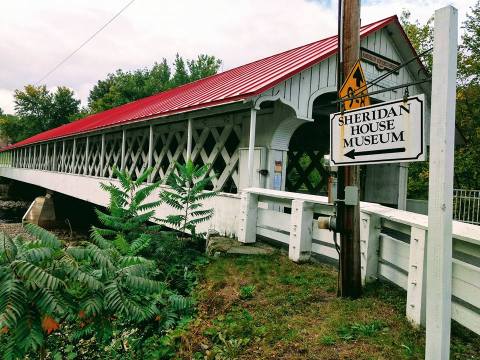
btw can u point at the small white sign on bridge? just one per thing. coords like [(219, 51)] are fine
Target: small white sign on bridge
[(383, 133)]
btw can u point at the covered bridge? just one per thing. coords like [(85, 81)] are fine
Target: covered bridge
[(264, 124)]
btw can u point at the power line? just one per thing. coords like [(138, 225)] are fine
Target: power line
[(85, 42)]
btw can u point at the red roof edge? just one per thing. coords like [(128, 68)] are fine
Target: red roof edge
[(373, 28)]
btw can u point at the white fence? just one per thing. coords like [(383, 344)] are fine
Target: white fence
[(466, 206), (393, 246)]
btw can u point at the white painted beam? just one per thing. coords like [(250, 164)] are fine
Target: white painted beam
[(124, 139), (251, 145), (150, 152), (416, 285), (85, 164), (102, 157), (300, 241), (63, 157), (247, 231), (54, 163), (189, 138), (74, 157), (442, 141)]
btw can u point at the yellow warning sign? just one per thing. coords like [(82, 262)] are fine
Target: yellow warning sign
[(355, 89)]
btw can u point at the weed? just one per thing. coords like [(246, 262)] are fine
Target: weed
[(328, 340), (358, 330), (246, 292)]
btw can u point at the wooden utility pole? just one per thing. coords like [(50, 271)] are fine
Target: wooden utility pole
[(350, 284)]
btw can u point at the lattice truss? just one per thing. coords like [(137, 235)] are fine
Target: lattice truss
[(28, 157), (49, 152), (66, 156), (216, 142), (169, 146), (78, 161), (94, 155), (113, 154), (136, 151), (306, 173), (40, 157)]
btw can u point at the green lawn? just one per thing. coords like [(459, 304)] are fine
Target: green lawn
[(267, 307)]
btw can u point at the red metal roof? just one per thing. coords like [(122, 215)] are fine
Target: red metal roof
[(230, 86)]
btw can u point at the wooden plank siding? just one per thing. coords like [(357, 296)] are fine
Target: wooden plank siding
[(300, 91)]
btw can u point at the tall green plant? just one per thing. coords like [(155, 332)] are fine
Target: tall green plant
[(186, 194), (121, 287), (123, 290), (33, 295), (128, 212)]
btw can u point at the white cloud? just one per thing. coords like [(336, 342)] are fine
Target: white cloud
[(35, 35), (6, 101)]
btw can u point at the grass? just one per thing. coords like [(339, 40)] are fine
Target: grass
[(267, 307)]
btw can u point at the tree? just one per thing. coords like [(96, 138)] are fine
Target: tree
[(37, 110), (180, 75), (469, 64), (467, 156), (204, 66), (186, 196), (122, 87), (421, 36)]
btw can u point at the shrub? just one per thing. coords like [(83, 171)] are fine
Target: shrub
[(128, 213), (33, 290), (187, 191)]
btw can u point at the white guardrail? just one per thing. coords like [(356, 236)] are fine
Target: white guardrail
[(393, 246)]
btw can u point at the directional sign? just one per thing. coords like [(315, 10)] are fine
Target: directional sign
[(387, 132), (355, 85)]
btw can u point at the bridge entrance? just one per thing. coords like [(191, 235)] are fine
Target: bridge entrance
[(306, 168)]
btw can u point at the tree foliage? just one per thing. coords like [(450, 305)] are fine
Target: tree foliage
[(38, 109), (420, 35), (122, 87), (467, 156)]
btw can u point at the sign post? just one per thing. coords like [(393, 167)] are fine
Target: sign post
[(440, 189), (350, 283)]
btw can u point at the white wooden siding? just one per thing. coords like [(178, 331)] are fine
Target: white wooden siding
[(302, 89)]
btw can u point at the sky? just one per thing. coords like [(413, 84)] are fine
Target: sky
[(37, 35)]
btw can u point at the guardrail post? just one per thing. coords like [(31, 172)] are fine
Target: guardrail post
[(300, 245), (248, 218), (416, 277), (370, 227)]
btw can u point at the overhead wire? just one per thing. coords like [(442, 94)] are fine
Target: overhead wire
[(358, 93), (91, 37), (375, 81)]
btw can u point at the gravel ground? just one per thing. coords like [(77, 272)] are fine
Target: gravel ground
[(14, 229), (11, 204)]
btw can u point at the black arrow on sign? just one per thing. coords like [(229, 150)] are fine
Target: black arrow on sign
[(358, 76), (352, 153)]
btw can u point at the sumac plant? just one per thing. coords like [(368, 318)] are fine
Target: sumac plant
[(186, 193), (33, 294)]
